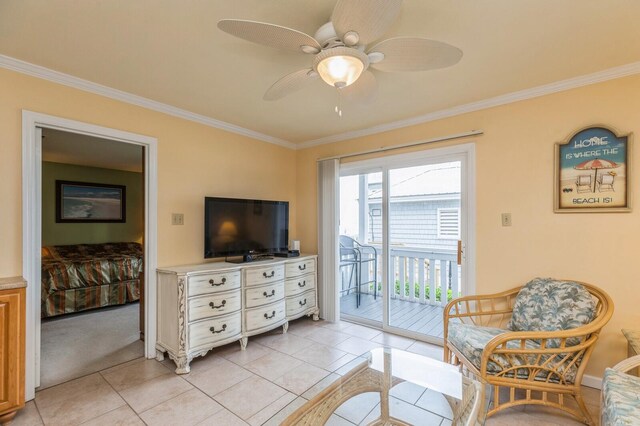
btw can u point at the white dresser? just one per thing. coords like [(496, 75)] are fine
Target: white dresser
[(212, 304)]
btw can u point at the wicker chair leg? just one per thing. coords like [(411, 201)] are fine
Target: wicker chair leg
[(583, 408)]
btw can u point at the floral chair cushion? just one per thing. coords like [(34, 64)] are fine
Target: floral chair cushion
[(620, 398), (471, 340), (545, 304)]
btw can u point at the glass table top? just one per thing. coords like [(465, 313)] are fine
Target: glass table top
[(394, 387)]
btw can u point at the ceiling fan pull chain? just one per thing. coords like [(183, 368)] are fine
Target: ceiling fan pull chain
[(338, 108)]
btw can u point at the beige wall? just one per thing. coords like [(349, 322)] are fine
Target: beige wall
[(193, 161), (514, 174), (514, 162), (91, 233)]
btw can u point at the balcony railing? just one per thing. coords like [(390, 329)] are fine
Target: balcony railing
[(420, 275)]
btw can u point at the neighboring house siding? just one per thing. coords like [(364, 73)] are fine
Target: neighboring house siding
[(413, 224)]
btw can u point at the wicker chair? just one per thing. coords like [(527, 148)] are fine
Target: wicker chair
[(533, 367), (619, 398)]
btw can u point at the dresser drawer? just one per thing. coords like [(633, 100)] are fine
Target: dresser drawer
[(264, 275), (213, 283), (265, 316), (209, 331), (213, 305), (300, 284), (300, 267), (258, 296), (300, 303)]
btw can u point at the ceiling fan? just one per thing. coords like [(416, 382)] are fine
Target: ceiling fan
[(341, 55)]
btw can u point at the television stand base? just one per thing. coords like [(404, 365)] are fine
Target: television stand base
[(249, 258), (290, 253)]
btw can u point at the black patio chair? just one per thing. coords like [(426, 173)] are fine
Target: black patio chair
[(355, 256)]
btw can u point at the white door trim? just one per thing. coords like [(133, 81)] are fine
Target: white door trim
[(31, 226)]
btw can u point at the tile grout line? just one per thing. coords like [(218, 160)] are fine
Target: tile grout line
[(117, 393), (37, 411), (224, 406), (262, 377), (160, 403)]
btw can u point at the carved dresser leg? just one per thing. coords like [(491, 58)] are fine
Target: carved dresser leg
[(243, 343), (182, 365), (285, 327), (159, 355)]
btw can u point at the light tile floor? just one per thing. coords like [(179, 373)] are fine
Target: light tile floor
[(260, 386)]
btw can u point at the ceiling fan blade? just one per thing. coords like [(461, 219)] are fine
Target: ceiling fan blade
[(414, 54), (370, 19), (290, 83), (270, 35), (364, 90)]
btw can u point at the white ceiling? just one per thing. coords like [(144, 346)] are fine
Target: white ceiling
[(82, 150), (172, 52)]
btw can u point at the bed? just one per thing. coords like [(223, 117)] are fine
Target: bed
[(79, 277)]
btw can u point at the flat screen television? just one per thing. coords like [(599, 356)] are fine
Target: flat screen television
[(238, 227)]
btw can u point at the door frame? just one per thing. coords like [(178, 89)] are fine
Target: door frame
[(32, 123), (461, 152)]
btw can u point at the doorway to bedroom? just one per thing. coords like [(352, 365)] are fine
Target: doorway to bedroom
[(92, 257)]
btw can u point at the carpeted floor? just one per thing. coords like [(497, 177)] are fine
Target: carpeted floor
[(80, 344)]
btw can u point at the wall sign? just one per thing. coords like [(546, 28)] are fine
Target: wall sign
[(592, 172)]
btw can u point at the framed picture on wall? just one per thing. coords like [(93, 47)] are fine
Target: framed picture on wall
[(592, 172), (78, 202)]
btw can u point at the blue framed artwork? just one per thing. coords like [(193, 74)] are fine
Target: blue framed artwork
[(592, 172), (82, 202)]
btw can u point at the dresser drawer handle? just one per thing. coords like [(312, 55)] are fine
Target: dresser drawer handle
[(302, 284), (273, 314), (221, 305), (302, 267), (273, 293), (213, 283), (302, 303), (273, 273), (213, 329)]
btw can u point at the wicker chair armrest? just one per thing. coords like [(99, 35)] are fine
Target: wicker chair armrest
[(513, 343), (480, 309), (449, 308), (628, 364)]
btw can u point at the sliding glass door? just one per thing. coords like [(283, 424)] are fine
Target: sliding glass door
[(424, 233), (360, 240), (403, 239)]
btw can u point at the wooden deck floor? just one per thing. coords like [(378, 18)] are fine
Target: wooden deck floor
[(424, 319)]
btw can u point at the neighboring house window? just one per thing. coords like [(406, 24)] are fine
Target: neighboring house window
[(449, 223)]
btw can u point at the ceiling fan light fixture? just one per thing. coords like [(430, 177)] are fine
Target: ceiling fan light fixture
[(341, 66)]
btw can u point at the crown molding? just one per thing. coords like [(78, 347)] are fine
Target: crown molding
[(559, 86), (38, 71)]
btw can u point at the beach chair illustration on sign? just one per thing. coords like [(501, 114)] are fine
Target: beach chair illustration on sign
[(605, 183), (583, 183)]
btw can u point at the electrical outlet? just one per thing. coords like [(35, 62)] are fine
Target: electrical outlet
[(177, 219), (506, 219)]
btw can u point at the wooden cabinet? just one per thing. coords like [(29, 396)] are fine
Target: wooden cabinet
[(204, 306), (12, 341)]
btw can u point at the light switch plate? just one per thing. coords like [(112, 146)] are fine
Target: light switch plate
[(177, 219), (506, 219)]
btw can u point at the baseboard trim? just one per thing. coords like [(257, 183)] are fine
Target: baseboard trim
[(592, 381)]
